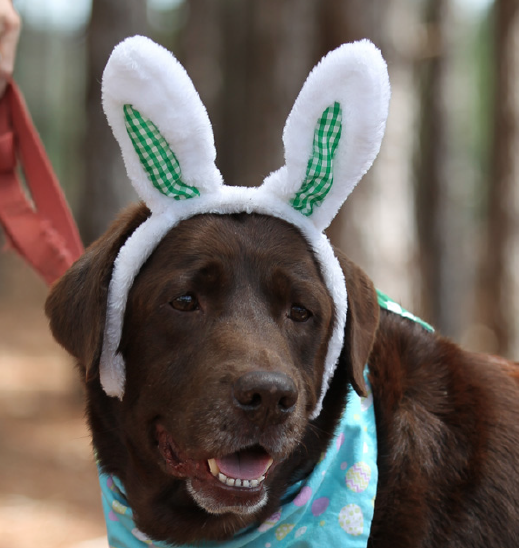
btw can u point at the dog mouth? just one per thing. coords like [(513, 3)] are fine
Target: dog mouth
[(246, 468), (234, 482)]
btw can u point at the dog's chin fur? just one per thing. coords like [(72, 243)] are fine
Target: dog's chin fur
[(210, 505)]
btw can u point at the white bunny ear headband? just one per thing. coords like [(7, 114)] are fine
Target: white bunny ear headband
[(331, 138)]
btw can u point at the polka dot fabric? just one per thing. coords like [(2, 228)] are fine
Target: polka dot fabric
[(332, 507)]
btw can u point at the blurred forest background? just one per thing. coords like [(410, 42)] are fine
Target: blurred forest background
[(435, 222)]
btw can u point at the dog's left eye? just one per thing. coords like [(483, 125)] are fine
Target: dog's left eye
[(185, 303), (299, 313)]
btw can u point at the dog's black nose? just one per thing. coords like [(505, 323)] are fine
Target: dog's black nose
[(266, 397)]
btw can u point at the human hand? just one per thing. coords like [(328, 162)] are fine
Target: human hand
[(10, 25)]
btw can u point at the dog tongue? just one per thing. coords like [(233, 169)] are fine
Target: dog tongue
[(244, 465)]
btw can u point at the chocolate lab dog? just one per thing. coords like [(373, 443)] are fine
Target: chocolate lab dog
[(223, 409)]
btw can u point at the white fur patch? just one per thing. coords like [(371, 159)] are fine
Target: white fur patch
[(212, 506)]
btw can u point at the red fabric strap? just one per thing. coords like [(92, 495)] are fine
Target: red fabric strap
[(43, 233)]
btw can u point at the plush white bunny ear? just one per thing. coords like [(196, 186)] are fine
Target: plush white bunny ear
[(333, 132), (160, 123)]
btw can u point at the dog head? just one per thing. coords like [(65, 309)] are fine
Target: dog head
[(224, 340), (208, 325)]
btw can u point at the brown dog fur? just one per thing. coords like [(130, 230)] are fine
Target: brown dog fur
[(447, 420)]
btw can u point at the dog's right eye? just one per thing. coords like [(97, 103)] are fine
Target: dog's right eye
[(185, 303), (299, 313)]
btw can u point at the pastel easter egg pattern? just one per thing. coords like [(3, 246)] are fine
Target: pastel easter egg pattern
[(300, 532), (351, 520), (319, 506), (358, 476), (119, 508), (141, 536), (270, 522), (283, 530), (340, 440), (112, 516), (366, 402), (304, 496)]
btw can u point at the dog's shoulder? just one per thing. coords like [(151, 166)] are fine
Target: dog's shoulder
[(447, 423), (415, 366)]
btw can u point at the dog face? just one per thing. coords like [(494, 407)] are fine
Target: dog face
[(224, 340)]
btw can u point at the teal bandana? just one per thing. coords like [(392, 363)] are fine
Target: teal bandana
[(333, 507)]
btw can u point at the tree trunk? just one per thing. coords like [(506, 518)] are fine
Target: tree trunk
[(499, 292), (248, 60), (431, 191), (106, 188)]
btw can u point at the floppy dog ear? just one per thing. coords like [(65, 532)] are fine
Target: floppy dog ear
[(76, 305), (361, 324)]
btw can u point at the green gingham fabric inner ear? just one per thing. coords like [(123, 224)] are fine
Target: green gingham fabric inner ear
[(156, 156), (319, 172)]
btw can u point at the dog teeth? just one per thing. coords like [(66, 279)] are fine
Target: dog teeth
[(213, 467), (233, 482)]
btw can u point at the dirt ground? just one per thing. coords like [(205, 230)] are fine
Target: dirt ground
[(49, 496)]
